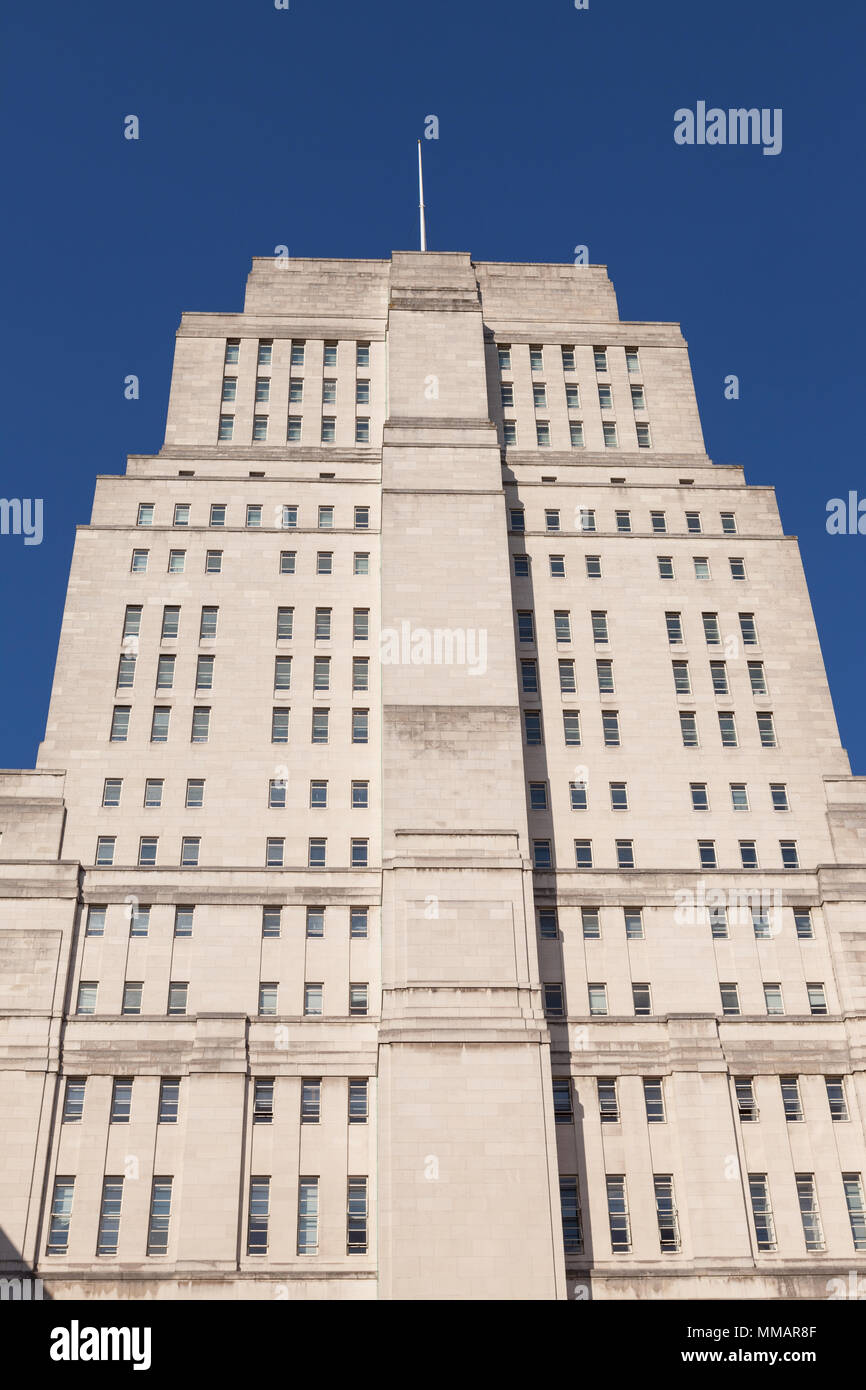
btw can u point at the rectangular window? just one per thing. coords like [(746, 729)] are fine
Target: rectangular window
[(693, 523), (707, 854), (274, 852), (658, 522), (654, 1102), (748, 854), (324, 561), (756, 677), (587, 519), (599, 627), (689, 728), (590, 922), (356, 1217), (666, 1212), (641, 999), (719, 676), (147, 847), (563, 1107), (604, 676), (712, 631), (357, 922), (271, 921), (312, 1000), (836, 1097), (597, 994), (131, 998), (539, 395), (609, 432), (160, 1216), (810, 1215), (315, 921), (791, 1103), (548, 927), (762, 1211), (600, 357), (790, 857), (817, 999), (746, 1107), (728, 730), (73, 1099), (554, 1003), (605, 398), (577, 792), (257, 1229), (674, 624), (169, 1100), (268, 994), (730, 996), (633, 918), (208, 624), (95, 921), (562, 626), (541, 854), (666, 567), (803, 923), (139, 920), (121, 1101), (767, 730), (178, 995), (617, 1210), (608, 1105), (542, 433), (773, 1001), (569, 1202), (583, 854), (644, 439), (623, 522), (682, 682), (571, 727), (260, 428), (263, 390), (263, 1101), (700, 800), (138, 564), (525, 627), (311, 1102), (226, 427), (852, 1185), (625, 854), (308, 1216), (126, 672), (610, 727), (176, 561), (61, 1215), (593, 566), (748, 629), (316, 852), (330, 354), (145, 514), (738, 567)]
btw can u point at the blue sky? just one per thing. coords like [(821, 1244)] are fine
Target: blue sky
[(261, 127)]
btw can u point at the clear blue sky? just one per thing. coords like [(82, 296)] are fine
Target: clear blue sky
[(262, 127)]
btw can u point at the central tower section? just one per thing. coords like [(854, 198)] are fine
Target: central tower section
[(467, 1171)]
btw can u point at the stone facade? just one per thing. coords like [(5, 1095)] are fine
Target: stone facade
[(442, 877)]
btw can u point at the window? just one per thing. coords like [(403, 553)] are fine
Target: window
[(176, 561), (563, 1108), (569, 1201), (359, 853), (538, 796), (169, 1100), (572, 396), (308, 1216), (213, 562), (618, 1218), (600, 357), (208, 624), (329, 429), (700, 800), (521, 566), (730, 996), (587, 519), (263, 390), (738, 567), (111, 789), (73, 1099), (226, 427), (729, 523), (599, 627), (762, 1212), (145, 514), (297, 353), (712, 631), (131, 998), (788, 850), (362, 354), (165, 672), (541, 855), (260, 427), (689, 728), (274, 852), (190, 847), (803, 923), (748, 854), (604, 676), (666, 567), (263, 1101), (317, 848), (659, 524), (682, 682), (608, 1106), (178, 992), (746, 1106), (618, 796), (674, 624), (836, 1097), (361, 563), (641, 999), (357, 922), (809, 1214), (767, 730), (139, 920), (623, 522), (719, 675), (633, 918), (539, 395), (791, 1103), (590, 923), (562, 626), (605, 398), (509, 432), (577, 792), (358, 1102), (529, 677), (121, 1101), (357, 999), (311, 1102), (666, 1212), (693, 523), (707, 854), (280, 725), (504, 354), (761, 923), (525, 627), (330, 354), (356, 1217), (268, 992), (548, 927), (360, 725), (517, 519), (554, 1005), (748, 629), (593, 567), (637, 398), (817, 999), (728, 730), (147, 847), (575, 433), (597, 999), (126, 672), (551, 519), (542, 433), (718, 915), (625, 854), (852, 1186), (571, 727), (536, 358), (583, 854), (160, 1216), (203, 673), (257, 1230), (609, 431), (532, 726), (773, 999), (200, 730), (642, 429), (360, 673), (61, 1215), (654, 1103), (138, 564)]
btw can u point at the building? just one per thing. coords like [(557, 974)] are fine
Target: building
[(442, 877)]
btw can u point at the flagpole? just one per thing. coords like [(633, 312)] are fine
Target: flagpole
[(421, 201)]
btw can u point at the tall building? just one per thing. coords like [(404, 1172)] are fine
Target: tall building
[(442, 877)]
